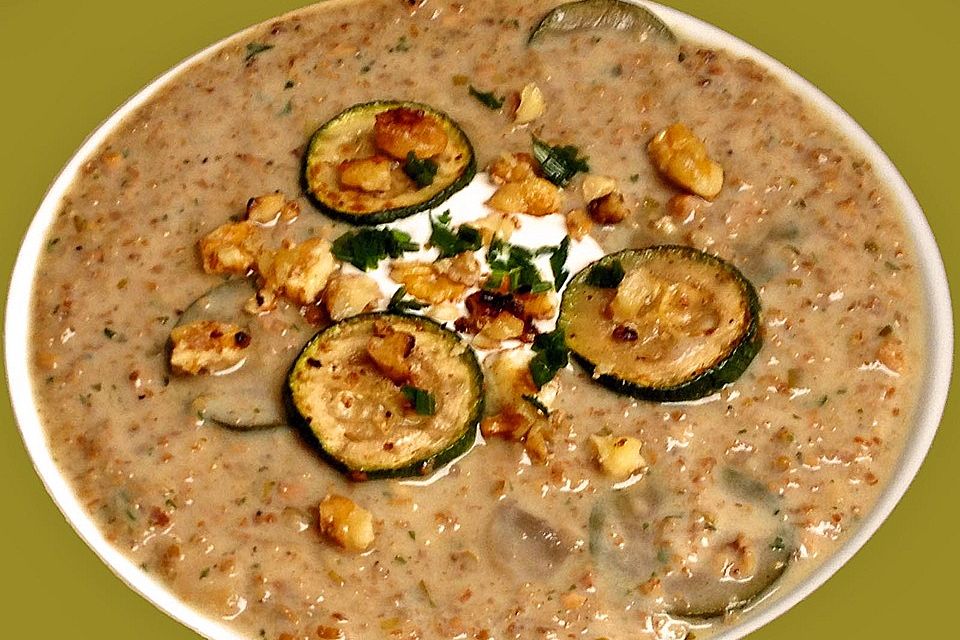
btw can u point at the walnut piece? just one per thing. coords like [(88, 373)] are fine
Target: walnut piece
[(345, 523), (399, 131), (534, 196), (299, 272), (618, 456), (367, 174), (682, 158), (231, 248), (207, 346), (349, 294)]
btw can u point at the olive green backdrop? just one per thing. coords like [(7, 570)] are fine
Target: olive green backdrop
[(64, 66)]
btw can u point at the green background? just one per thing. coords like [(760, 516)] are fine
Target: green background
[(65, 66)]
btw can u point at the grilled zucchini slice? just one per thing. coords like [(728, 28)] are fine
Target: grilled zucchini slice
[(250, 398), (666, 323), (748, 544), (609, 15), (371, 422), (409, 188)]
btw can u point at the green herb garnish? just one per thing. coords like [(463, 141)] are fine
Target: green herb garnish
[(487, 98), (256, 48), (421, 170), (426, 594), (401, 46), (551, 356), (512, 268), (559, 164), (365, 248), (422, 400), (778, 544), (606, 276), (399, 303), (452, 242), (558, 259), (541, 408)]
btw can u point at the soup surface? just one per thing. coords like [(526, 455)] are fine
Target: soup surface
[(602, 515)]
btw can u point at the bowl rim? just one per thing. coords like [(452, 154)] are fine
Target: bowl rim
[(935, 382)]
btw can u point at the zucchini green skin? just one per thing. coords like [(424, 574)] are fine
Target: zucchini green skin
[(740, 598), (723, 372), (387, 215), (232, 402), (421, 467)]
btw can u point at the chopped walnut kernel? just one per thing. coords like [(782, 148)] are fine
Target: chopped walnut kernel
[(348, 294), (391, 353), (682, 158), (579, 224), (231, 248), (440, 281), (367, 174), (496, 225), (533, 196), (596, 187), (532, 105), (345, 523), (265, 209), (609, 209), (890, 354), (618, 456), (399, 131), (512, 167), (207, 346), (299, 272)]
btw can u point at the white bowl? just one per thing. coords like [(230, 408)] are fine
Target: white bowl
[(936, 374)]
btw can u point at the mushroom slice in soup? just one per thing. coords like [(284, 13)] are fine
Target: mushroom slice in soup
[(524, 543)]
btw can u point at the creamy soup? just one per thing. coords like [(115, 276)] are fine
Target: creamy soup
[(598, 502)]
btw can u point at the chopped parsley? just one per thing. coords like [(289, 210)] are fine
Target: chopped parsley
[(778, 544), (421, 170), (399, 303), (512, 269), (487, 98), (365, 248), (551, 356), (256, 48), (452, 242), (606, 276), (558, 259), (402, 46), (422, 400), (559, 164)]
